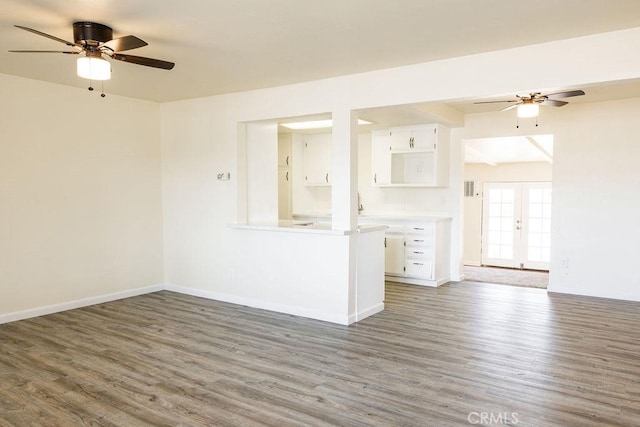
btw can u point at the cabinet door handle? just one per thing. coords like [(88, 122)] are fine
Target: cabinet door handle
[(418, 228), (326, 177), (418, 263), (418, 252), (418, 240), (287, 176), (375, 178), (287, 160), (385, 242)]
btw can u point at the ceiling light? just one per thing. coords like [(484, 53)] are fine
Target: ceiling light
[(528, 109), (94, 68), (317, 124)]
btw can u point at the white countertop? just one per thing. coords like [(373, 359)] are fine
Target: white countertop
[(317, 227), (404, 216)]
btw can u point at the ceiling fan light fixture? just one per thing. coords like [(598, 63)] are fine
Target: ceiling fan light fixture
[(94, 68), (528, 109)]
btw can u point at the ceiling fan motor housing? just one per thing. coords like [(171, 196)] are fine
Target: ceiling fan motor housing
[(91, 33)]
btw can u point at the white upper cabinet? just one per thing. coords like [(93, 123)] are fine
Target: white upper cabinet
[(284, 150), (284, 176), (411, 156), (421, 137), (317, 159), (381, 157)]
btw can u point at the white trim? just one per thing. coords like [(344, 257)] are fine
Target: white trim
[(363, 314), (416, 281), (472, 263), (70, 305), (600, 293), (264, 305)]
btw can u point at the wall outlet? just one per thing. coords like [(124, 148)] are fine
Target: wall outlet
[(564, 263), (224, 176)]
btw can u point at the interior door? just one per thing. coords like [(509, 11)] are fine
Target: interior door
[(516, 230)]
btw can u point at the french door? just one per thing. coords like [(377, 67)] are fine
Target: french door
[(516, 229)]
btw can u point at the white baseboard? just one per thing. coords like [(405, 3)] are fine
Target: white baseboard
[(264, 305), (363, 314), (84, 302), (600, 293), (472, 263), (419, 282)]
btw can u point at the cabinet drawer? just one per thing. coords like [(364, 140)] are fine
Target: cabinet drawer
[(426, 230), (419, 268), (419, 253), (419, 241)]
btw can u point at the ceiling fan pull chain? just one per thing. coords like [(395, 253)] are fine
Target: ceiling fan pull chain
[(90, 85), (102, 95)]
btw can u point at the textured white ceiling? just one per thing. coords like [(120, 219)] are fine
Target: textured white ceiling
[(223, 46)]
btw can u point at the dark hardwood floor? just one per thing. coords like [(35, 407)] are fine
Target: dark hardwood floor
[(460, 354)]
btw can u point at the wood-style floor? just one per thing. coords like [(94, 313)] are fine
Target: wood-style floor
[(434, 357)]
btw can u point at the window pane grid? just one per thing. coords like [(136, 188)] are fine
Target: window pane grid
[(539, 236), (501, 223)]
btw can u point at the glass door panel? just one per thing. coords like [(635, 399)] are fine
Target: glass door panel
[(516, 229)]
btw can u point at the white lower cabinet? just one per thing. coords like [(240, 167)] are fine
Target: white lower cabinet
[(418, 253), (394, 254)]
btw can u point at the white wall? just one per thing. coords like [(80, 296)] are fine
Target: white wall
[(200, 138), (80, 196), (261, 140), (596, 207), (595, 202), (481, 173)]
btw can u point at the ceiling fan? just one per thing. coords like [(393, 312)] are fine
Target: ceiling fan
[(528, 105), (95, 42)]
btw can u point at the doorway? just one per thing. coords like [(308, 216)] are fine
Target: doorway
[(516, 230), (507, 210)]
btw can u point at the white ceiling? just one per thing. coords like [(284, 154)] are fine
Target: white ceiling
[(495, 151), (222, 46)]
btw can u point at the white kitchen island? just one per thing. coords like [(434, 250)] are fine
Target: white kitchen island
[(320, 273)]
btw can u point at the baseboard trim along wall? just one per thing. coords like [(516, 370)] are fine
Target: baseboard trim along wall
[(363, 314), (264, 305), (601, 293), (85, 302)]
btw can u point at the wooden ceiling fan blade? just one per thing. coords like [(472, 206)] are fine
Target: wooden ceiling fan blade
[(125, 43), (510, 107), (49, 36), (565, 94), (140, 60), (494, 102), (553, 103), (75, 52)]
